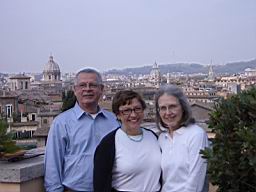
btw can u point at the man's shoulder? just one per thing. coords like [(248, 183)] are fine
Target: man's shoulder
[(65, 114), (108, 113)]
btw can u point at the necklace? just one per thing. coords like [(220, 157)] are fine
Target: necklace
[(135, 138)]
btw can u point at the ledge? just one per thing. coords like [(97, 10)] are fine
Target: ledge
[(21, 171)]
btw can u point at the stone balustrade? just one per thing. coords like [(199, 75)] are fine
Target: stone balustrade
[(22, 176)]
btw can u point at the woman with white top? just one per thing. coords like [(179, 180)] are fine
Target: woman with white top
[(128, 158), (183, 168)]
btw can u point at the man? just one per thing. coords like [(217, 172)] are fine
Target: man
[(74, 136)]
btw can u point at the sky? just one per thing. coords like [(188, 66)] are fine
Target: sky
[(117, 34)]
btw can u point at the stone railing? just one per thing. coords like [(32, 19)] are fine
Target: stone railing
[(22, 176), (27, 176)]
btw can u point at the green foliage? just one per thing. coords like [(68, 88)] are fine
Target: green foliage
[(7, 145), (69, 100), (232, 157)]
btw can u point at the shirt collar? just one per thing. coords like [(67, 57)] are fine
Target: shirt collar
[(79, 112), (180, 130)]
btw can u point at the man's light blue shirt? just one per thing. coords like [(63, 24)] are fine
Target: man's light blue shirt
[(72, 140)]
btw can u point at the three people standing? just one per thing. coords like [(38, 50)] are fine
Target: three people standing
[(128, 157)]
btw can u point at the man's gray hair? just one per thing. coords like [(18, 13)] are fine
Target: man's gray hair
[(175, 91), (89, 70)]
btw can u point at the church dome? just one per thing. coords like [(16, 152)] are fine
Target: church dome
[(51, 71), (155, 72), (51, 66), (155, 76)]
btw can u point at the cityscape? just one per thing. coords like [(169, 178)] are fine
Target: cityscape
[(206, 48), (29, 102)]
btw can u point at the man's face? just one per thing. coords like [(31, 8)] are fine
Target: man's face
[(87, 90)]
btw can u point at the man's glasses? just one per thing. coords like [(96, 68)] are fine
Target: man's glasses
[(130, 110), (88, 85)]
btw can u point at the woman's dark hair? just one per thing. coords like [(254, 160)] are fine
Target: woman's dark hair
[(175, 91), (125, 97)]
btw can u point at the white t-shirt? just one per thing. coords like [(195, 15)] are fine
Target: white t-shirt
[(137, 164), (183, 168)]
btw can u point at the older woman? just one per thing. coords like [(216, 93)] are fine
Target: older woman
[(180, 140), (128, 158)]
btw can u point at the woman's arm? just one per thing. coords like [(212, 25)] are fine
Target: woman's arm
[(197, 165), (103, 163)]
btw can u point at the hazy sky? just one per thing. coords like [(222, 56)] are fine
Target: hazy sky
[(107, 34)]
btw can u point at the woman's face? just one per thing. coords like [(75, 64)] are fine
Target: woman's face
[(131, 115), (170, 111)]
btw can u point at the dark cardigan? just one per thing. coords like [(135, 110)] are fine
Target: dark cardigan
[(103, 163), (104, 158)]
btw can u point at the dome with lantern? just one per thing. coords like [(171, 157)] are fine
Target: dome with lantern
[(155, 75), (51, 70)]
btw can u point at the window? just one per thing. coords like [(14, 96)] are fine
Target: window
[(45, 121), (33, 117), (8, 109)]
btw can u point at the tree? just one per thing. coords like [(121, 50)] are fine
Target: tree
[(69, 100), (232, 156), (7, 145)]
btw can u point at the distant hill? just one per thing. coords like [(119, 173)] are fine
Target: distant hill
[(235, 67), (189, 68)]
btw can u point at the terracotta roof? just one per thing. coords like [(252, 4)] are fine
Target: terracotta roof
[(7, 94), (20, 76), (208, 106), (41, 132), (29, 123)]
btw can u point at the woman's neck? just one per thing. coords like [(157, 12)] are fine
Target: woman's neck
[(172, 129), (132, 131)]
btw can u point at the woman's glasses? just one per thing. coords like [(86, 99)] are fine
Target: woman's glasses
[(169, 108), (130, 110)]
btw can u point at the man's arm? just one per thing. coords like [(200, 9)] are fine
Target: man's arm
[(54, 157)]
